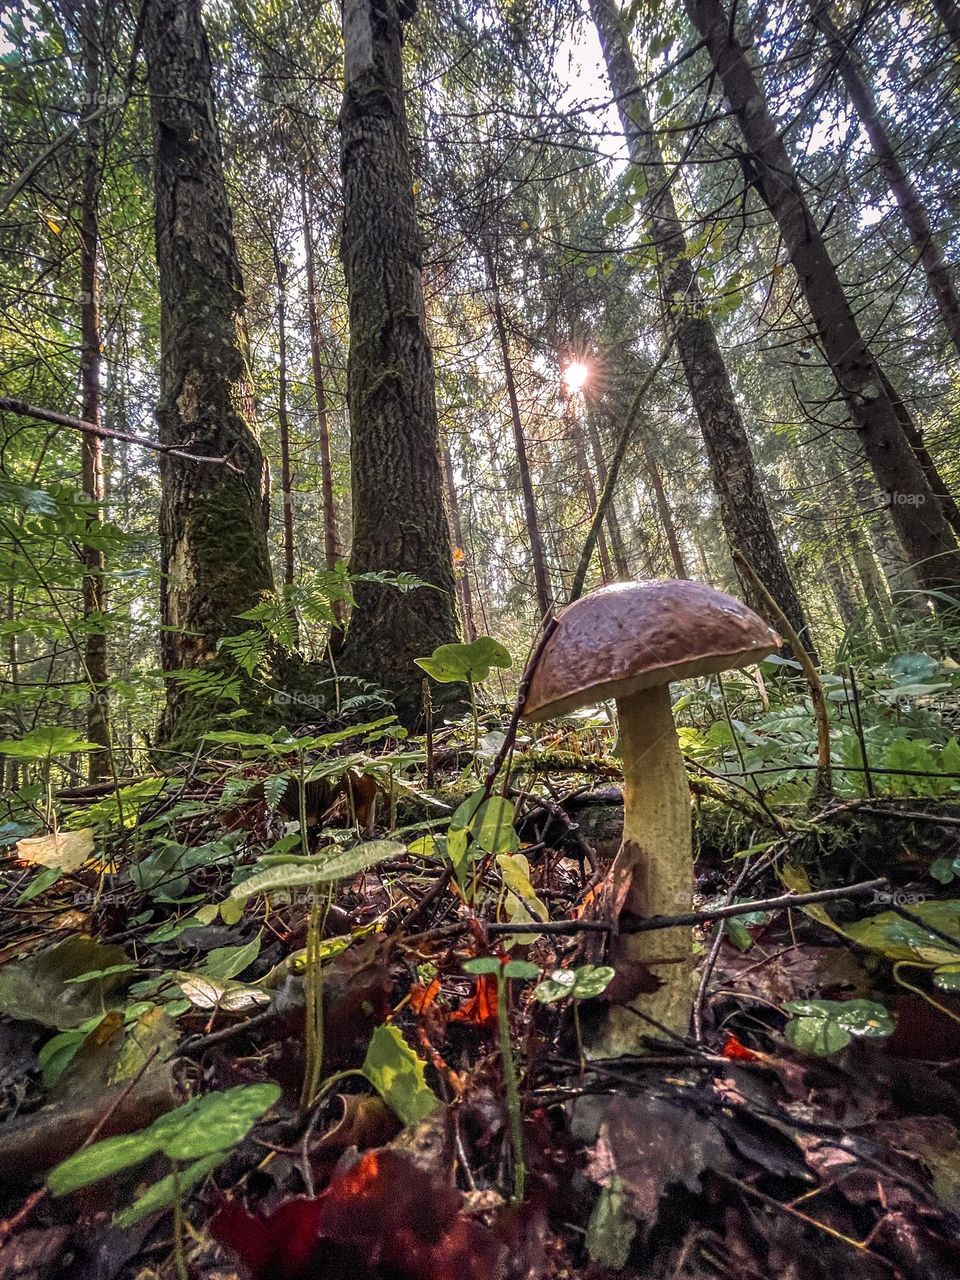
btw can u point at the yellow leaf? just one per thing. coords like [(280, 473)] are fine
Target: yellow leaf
[(416, 187), (54, 227), (67, 850)]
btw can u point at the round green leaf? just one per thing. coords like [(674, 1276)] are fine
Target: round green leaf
[(482, 964), (465, 662), (521, 969), (559, 985), (591, 980)]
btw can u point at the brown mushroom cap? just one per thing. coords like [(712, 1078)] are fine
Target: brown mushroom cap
[(634, 635)]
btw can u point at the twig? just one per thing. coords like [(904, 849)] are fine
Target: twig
[(784, 902), (105, 433), (712, 957), (613, 473)]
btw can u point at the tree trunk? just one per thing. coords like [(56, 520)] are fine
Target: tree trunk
[(283, 419), (743, 507), (948, 12), (399, 522), (872, 583), (912, 209), (590, 492), (663, 507), (94, 589), (621, 563), (331, 540), (917, 513), (214, 559), (464, 590), (538, 555)]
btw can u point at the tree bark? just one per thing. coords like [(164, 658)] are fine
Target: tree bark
[(912, 210), (948, 12), (94, 589), (283, 420), (590, 492), (743, 507), (916, 511), (464, 590), (214, 559), (399, 522), (617, 547), (331, 539), (541, 575), (655, 477)]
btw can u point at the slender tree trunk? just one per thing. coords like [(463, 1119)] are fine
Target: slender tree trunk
[(214, 559), (948, 12), (872, 583), (743, 507), (94, 589), (621, 563), (917, 513), (331, 540), (912, 210), (399, 521), (541, 574), (664, 512), (464, 590), (283, 420), (590, 492)]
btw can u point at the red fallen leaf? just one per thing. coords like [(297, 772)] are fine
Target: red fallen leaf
[(481, 1009), (737, 1052), (423, 996), (381, 1217)]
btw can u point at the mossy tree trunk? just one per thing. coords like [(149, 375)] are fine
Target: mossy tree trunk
[(213, 518), (399, 521)]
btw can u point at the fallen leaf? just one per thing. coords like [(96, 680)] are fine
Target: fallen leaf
[(67, 850)]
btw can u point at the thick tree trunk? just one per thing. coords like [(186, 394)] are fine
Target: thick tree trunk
[(331, 540), (94, 592), (399, 522), (464, 590), (541, 575), (283, 420), (912, 209), (213, 519), (743, 507), (948, 12), (916, 511)]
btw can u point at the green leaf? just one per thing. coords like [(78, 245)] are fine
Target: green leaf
[(45, 743), (109, 1156), (592, 980), (947, 977), (611, 1228), (163, 1194), (397, 1074), (898, 939), (319, 870), (226, 962), (521, 969), (482, 964), (558, 986), (214, 1122), (492, 826), (451, 663), (822, 1027)]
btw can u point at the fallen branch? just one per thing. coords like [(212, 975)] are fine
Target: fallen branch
[(91, 429), (783, 902)]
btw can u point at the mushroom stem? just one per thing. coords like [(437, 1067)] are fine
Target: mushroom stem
[(657, 855)]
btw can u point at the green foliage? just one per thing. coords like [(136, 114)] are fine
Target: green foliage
[(203, 1128), (397, 1074), (469, 663), (583, 983), (823, 1027)]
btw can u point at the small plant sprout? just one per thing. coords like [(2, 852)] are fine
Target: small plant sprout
[(585, 983), (467, 664), (628, 642), (518, 969)]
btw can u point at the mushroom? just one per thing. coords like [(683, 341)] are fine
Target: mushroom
[(628, 642)]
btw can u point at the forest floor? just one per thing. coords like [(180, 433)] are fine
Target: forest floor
[(807, 1127)]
